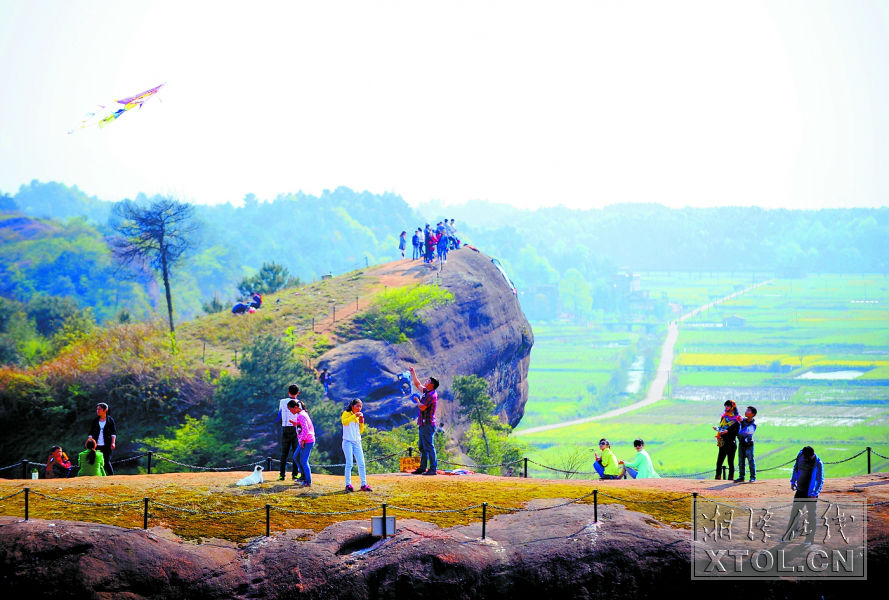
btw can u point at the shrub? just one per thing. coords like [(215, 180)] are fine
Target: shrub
[(395, 314)]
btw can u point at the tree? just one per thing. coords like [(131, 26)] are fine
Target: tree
[(270, 278), (157, 234), (472, 393)]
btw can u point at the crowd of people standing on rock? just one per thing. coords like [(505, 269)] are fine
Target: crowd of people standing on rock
[(298, 434), (431, 244)]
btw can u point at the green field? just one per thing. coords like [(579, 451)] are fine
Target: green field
[(812, 327)]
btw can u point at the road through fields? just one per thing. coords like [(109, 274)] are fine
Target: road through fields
[(665, 366)]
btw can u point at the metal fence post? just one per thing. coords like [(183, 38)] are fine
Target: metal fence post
[(595, 506), (694, 515), (724, 472), (868, 460), (526, 467), (410, 451), (268, 519), (484, 517), (384, 519), (145, 514), (27, 492), (334, 313), (268, 464), (150, 454)]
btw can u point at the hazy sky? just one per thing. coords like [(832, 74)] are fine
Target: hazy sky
[(576, 103)]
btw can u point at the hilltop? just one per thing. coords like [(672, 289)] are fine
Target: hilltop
[(228, 371)]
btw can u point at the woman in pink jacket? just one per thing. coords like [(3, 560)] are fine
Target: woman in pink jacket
[(306, 441)]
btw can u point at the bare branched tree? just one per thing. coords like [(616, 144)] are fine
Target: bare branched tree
[(157, 234), (571, 461)]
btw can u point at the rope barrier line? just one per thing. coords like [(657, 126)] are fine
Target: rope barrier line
[(96, 504), (872, 452), (844, 460), (603, 494), (175, 462), (433, 512), (18, 464), (323, 514), (12, 495), (507, 464), (519, 510)]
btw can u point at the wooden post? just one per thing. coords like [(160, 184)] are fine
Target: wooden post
[(384, 519), (204, 354), (868, 460), (145, 514), (484, 517), (356, 304), (595, 506), (334, 313), (268, 464), (268, 519), (410, 451), (150, 453), (526, 467), (694, 515), (27, 492)]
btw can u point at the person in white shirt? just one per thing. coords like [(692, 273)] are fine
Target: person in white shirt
[(289, 442)]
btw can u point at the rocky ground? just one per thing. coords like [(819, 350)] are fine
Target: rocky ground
[(560, 552)]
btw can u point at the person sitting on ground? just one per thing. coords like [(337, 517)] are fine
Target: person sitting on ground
[(240, 308), (256, 300), (606, 465), (57, 464), (91, 461), (641, 467)]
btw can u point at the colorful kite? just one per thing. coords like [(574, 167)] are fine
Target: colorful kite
[(128, 104)]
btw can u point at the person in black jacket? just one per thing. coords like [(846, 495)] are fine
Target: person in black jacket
[(104, 433), (726, 434)]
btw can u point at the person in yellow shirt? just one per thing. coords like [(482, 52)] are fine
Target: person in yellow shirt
[(353, 426), (606, 465)]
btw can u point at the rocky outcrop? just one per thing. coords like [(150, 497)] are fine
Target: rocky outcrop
[(483, 332), (557, 553)]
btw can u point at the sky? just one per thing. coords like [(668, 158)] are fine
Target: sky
[(583, 104)]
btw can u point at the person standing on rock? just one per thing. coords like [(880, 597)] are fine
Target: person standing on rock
[(353, 426), (104, 432), (426, 420), (288, 432), (807, 480), (326, 380), (402, 242), (416, 242)]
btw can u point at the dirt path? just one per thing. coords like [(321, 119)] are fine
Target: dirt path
[(662, 376), (398, 273)]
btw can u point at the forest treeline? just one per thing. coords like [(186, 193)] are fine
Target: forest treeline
[(564, 262)]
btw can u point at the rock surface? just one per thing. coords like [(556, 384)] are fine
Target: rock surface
[(483, 332), (557, 553)]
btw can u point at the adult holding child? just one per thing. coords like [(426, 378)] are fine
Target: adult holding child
[(726, 434), (104, 432), (426, 405)]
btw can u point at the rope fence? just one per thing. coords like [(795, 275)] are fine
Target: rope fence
[(268, 508), (24, 465)]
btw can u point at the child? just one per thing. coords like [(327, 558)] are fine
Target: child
[(606, 465), (57, 464), (306, 437), (726, 432), (641, 467), (91, 461), (745, 444), (353, 426)]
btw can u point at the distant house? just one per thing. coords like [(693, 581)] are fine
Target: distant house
[(734, 321)]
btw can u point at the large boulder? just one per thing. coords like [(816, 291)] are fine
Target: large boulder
[(483, 332)]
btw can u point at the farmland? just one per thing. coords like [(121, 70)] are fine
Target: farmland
[(811, 354)]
